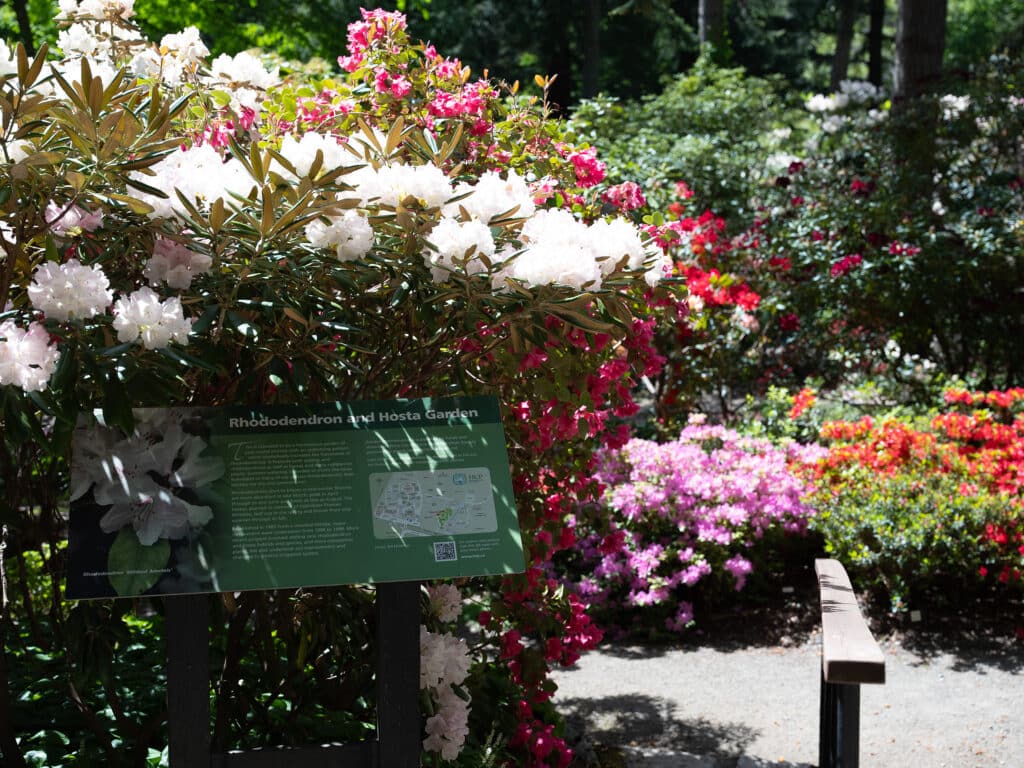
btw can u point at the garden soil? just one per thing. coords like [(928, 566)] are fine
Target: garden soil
[(744, 692)]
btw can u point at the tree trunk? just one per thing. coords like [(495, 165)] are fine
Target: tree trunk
[(711, 23), (591, 48), (844, 41), (876, 13), (24, 25), (560, 23), (920, 41)]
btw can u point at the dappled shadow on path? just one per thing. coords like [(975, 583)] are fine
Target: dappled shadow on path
[(789, 620), (649, 721), (973, 645)]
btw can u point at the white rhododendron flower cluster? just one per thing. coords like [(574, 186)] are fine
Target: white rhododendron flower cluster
[(445, 601), (200, 174), (245, 76), (96, 9), (142, 315), (458, 244), (302, 152), (27, 358), (70, 291), (349, 235), (175, 264), (178, 54), (561, 249), (444, 662), (493, 195), (64, 220), (390, 185)]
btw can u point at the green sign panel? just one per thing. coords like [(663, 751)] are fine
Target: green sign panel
[(230, 499)]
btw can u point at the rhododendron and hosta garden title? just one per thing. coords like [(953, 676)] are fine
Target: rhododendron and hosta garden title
[(181, 231)]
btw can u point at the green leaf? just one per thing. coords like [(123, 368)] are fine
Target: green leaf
[(135, 567)]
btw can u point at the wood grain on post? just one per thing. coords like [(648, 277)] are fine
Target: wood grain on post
[(849, 653)]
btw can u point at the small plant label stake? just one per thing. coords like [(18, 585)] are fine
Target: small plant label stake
[(190, 501)]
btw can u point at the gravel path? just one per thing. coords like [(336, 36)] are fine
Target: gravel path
[(756, 706)]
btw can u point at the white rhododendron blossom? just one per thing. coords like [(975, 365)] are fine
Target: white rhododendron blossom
[(302, 153), (448, 728), (659, 269), (819, 102), (139, 477), (175, 264), (71, 70), (558, 250), (349, 235), (97, 9), (142, 315), (199, 173), (243, 69), (861, 91), (27, 358), (79, 40), (445, 601), (70, 291), (459, 246), (65, 219), (444, 659), (392, 184), (954, 106), (244, 76), (493, 195), (177, 55), (778, 163), (186, 46), (615, 240), (444, 662), (8, 64)]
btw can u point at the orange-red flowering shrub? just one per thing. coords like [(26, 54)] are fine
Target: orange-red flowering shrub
[(931, 504)]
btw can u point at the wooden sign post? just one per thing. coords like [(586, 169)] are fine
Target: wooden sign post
[(399, 731)]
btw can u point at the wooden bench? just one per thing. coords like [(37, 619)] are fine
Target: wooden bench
[(850, 657)]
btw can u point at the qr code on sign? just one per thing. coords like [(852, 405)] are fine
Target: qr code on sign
[(444, 552)]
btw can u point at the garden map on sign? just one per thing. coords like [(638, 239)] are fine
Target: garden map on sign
[(432, 503)]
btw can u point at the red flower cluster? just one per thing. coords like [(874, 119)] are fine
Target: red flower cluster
[(976, 443), (845, 264), (802, 400), (1005, 399), (715, 290)]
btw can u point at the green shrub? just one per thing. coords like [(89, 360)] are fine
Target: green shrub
[(908, 537), (711, 127)]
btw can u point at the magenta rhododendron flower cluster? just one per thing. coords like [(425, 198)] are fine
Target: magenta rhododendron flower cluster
[(682, 512)]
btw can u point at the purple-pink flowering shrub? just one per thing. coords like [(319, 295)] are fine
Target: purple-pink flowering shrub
[(684, 521)]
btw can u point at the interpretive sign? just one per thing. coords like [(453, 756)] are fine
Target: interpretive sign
[(230, 499)]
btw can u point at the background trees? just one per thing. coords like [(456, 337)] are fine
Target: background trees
[(617, 47)]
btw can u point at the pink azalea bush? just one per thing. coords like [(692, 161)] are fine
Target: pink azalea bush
[(685, 517)]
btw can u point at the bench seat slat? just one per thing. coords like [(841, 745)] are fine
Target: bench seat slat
[(849, 653)]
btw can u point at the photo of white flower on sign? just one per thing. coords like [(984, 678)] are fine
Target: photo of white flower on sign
[(146, 487)]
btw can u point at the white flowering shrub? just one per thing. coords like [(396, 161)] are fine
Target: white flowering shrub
[(180, 231)]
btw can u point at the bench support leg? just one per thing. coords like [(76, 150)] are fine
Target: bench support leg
[(839, 736)]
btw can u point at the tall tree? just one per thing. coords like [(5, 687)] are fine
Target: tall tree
[(844, 41), (591, 48), (24, 25), (876, 27), (920, 42), (711, 23)]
